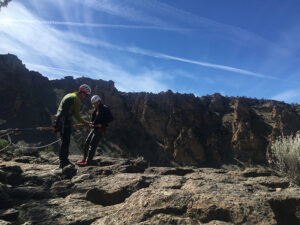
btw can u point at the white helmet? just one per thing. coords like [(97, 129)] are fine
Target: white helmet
[(85, 89), (95, 98)]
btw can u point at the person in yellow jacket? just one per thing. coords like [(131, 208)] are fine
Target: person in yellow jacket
[(69, 107)]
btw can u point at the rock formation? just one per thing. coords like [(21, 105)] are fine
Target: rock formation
[(27, 98), (165, 128), (127, 191)]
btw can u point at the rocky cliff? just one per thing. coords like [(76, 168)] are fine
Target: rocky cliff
[(166, 128), (126, 191), (27, 99)]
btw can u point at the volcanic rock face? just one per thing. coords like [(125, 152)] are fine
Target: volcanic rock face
[(166, 128), (127, 191), (27, 98)]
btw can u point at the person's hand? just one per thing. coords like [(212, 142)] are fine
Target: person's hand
[(54, 118), (91, 125)]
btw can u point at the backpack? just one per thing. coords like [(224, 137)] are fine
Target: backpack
[(108, 117)]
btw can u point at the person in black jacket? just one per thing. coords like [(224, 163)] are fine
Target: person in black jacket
[(100, 119)]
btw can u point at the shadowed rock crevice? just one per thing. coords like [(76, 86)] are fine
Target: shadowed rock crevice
[(84, 222), (9, 215), (61, 188), (102, 197), (275, 184), (37, 214), (112, 197), (287, 211), (255, 172), (210, 214), (173, 211), (11, 175), (169, 171)]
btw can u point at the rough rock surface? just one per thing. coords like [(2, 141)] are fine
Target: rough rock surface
[(127, 191)]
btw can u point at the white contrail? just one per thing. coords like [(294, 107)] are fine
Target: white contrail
[(97, 25), (217, 66), (200, 63)]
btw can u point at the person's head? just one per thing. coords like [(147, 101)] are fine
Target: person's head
[(95, 100), (84, 91)]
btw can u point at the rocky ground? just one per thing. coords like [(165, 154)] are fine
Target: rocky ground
[(123, 191)]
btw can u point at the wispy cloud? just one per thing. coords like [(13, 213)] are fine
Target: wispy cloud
[(157, 13), (53, 51), (139, 51), (144, 52), (49, 50), (123, 9), (50, 70), (94, 25), (288, 96), (38, 35), (148, 81)]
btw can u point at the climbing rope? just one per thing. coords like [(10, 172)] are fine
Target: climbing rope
[(35, 147), (11, 130), (18, 130), (26, 147)]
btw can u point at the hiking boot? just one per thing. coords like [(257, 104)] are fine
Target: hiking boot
[(69, 163), (79, 162), (62, 165), (82, 164), (65, 163)]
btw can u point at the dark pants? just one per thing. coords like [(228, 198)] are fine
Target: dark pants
[(91, 144), (65, 133)]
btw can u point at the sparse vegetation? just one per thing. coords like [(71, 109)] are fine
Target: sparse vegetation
[(286, 153), (6, 151), (3, 143)]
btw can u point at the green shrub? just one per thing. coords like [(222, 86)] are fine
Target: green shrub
[(3, 143), (286, 154)]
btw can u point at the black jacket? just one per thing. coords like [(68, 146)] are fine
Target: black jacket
[(101, 117)]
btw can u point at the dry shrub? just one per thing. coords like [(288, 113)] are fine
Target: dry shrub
[(286, 153)]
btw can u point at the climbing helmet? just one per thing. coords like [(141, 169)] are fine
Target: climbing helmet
[(95, 98), (85, 89)]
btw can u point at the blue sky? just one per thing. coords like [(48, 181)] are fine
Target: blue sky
[(236, 48)]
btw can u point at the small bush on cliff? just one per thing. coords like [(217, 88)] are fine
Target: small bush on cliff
[(286, 153), (5, 150)]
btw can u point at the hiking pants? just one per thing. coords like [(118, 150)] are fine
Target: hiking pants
[(65, 133), (91, 144)]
